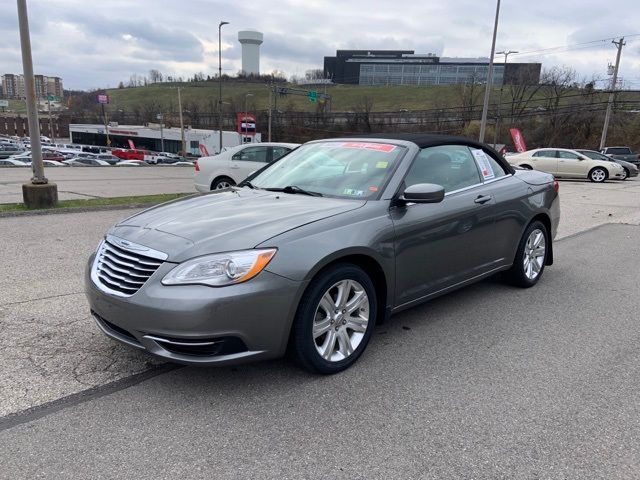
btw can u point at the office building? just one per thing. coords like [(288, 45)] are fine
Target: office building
[(405, 67)]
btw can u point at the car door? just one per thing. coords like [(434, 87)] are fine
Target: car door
[(545, 160), (571, 165), (248, 160), (439, 245)]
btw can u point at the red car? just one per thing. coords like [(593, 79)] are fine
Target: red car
[(131, 154)]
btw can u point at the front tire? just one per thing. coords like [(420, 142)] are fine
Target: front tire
[(598, 175), (531, 256), (335, 319), (625, 174)]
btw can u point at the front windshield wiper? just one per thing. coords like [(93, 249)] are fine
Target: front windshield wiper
[(247, 183), (294, 189)]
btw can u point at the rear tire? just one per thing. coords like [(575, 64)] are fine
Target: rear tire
[(527, 167), (221, 183), (598, 175), (531, 256), (335, 319)]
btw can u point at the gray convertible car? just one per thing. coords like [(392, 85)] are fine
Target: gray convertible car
[(310, 252)]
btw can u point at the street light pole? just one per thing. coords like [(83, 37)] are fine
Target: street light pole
[(506, 53), (246, 130), (39, 193), (30, 90), (184, 147), (487, 91), (220, 83)]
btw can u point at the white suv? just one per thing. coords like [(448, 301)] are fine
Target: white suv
[(237, 163)]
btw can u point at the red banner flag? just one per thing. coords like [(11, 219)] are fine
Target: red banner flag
[(131, 145), (518, 140)]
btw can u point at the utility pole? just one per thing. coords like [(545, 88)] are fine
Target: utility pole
[(184, 147), (39, 193), (506, 53), (487, 91), (603, 139), (270, 108), (220, 84)]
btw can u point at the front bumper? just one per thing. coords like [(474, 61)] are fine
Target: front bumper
[(195, 324)]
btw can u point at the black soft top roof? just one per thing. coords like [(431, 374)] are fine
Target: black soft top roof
[(423, 140)]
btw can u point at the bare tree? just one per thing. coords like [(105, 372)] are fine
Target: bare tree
[(155, 76), (556, 84)]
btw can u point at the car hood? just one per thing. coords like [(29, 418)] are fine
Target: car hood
[(227, 220)]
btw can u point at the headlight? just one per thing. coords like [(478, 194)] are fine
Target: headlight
[(220, 269)]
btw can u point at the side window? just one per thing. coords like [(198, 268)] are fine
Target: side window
[(451, 166), (279, 152), (490, 168), (252, 154), (568, 155), (545, 153)]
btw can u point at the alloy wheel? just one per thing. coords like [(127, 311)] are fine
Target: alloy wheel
[(598, 175), (222, 185), (534, 254), (341, 320)]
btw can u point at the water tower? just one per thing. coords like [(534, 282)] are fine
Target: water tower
[(250, 41)]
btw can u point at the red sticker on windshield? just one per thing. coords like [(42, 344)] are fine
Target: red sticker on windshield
[(379, 147)]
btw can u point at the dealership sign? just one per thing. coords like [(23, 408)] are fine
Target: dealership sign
[(246, 123), (103, 99)]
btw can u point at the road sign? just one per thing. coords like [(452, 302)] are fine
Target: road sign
[(313, 96), (103, 98), (4, 103)]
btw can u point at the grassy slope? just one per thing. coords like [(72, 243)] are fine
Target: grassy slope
[(344, 97)]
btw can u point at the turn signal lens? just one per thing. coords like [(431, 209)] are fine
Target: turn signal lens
[(556, 186), (197, 166)]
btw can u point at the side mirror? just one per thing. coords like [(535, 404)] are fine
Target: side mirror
[(423, 193)]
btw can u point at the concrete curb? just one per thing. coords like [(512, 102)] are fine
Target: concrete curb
[(97, 208)]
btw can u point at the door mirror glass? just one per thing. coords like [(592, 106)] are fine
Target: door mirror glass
[(423, 193)]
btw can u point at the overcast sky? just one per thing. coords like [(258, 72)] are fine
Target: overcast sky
[(93, 44)]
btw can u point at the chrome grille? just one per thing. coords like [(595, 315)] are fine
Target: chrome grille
[(121, 267)]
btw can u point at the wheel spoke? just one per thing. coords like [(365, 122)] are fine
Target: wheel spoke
[(344, 343), (538, 239), (329, 344), (358, 300), (327, 304), (321, 327), (357, 324), (344, 289)]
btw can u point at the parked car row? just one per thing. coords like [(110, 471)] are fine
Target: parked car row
[(570, 163)]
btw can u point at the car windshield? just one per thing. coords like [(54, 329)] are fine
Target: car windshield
[(336, 169)]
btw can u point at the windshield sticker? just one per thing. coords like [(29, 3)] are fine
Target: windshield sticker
[(382, 164), (353, 191), (373, 188), (378, 147), (484, 164)]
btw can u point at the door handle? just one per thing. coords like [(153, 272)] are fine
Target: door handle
[(482, 199)]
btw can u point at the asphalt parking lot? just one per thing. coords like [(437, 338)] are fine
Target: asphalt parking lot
[(487, 382), (95, 182)]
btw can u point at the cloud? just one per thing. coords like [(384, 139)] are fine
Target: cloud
[(93, 45)]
